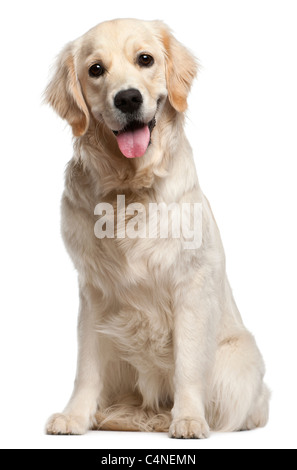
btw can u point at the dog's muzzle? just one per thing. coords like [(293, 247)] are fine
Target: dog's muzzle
[(135, 137)]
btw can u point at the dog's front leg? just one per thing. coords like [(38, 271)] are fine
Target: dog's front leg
[(193, 355), (78, 416)]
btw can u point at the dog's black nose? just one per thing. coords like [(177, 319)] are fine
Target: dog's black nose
[(128, 101)]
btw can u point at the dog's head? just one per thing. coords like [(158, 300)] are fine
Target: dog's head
[(120, 73)]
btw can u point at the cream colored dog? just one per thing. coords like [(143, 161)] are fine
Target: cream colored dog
[(161, 342)]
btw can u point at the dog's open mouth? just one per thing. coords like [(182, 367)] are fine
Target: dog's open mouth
[(135, 138)]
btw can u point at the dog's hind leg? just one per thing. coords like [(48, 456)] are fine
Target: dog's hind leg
[(238, 398)]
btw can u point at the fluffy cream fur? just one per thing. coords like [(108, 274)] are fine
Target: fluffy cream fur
[(162, 345)]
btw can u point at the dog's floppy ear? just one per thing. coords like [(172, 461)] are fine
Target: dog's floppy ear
[(181, 68), (64, 93)]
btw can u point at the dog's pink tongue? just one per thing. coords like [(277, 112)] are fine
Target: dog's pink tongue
[(134, 143)]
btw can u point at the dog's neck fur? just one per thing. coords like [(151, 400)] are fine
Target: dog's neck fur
[(99, 163)]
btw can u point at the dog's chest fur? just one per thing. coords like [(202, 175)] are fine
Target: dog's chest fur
[(138, 283)]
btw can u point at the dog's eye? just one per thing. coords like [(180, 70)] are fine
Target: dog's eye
[(96, 70), (145, 60)]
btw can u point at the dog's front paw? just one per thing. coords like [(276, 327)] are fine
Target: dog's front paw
[(189, 428), (60, 423)]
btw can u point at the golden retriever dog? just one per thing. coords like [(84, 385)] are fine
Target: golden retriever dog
[(162, 346)]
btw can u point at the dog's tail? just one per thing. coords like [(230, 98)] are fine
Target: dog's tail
[(131, 416)]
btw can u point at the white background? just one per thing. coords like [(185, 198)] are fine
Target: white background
[(242, 125)]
